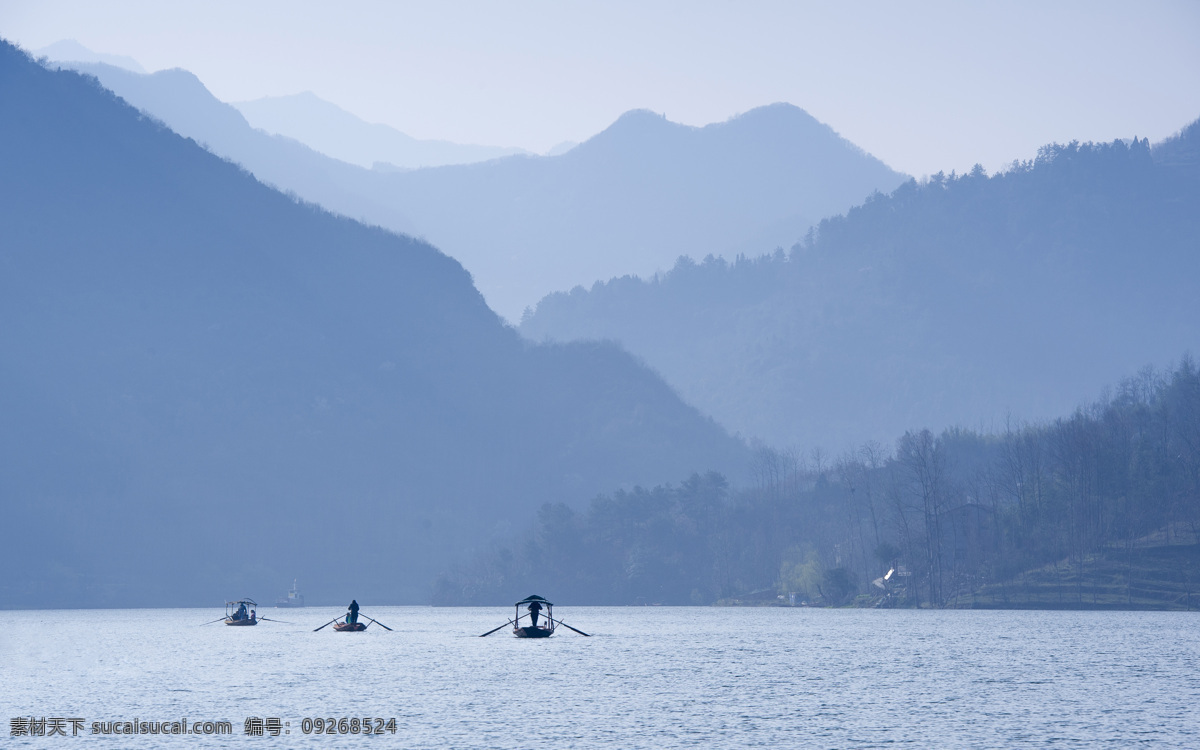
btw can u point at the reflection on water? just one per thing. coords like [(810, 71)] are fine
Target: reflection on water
[(653, 677)]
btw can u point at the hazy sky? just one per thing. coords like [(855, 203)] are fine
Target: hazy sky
[(924, 86)]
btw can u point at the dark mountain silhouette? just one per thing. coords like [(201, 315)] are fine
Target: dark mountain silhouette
[(635, 197), (333, 131), (210, 388), (959, 300)]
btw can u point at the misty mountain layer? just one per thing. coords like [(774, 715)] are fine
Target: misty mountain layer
[(333, 131), (182, 103), (630, 200), (210, 388), (635, 197), (71, 51), (957, 301)]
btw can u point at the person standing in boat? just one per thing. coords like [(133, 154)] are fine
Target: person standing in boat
[(535, 609), (241, 612), (352, 615)]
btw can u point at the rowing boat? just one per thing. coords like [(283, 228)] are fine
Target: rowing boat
[(241, 613)]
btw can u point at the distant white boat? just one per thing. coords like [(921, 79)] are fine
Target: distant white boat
[(293, 598)]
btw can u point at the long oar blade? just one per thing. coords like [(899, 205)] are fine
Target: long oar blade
[(493, 630), (212, 621), (568, 627), (329, 623), (380, 624), (268, 619)]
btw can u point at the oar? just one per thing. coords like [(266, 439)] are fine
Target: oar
[(510, 622), (493, 630), (329, 623), (385, 627), (211, 622), (568, 627), (268, 619)]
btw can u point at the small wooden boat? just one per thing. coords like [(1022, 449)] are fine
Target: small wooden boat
[(535, 605), (349, 622), (241, 613), (529, 631)]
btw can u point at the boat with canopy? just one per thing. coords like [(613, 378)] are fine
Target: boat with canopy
[(534, 605), (241, 613)]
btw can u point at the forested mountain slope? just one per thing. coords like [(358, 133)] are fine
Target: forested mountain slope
[(209, 388), (1099, 509), (954, 301)]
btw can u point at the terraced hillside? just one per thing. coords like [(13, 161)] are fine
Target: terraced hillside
[(1155, 572)]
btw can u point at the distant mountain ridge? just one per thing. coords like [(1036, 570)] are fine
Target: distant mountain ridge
[(635, 197), (629, 200), (182, 103), (71, 51), (959, 301), (210, 387), (331, 130)]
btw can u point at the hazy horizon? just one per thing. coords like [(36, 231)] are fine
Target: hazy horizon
[(962, 84)]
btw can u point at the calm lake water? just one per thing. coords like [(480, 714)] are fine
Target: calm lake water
[(652, 677)]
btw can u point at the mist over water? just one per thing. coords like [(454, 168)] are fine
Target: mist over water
[(652, 677)]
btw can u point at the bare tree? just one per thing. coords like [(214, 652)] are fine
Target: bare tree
[(871, 461), (924, 461), (848, 471)]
